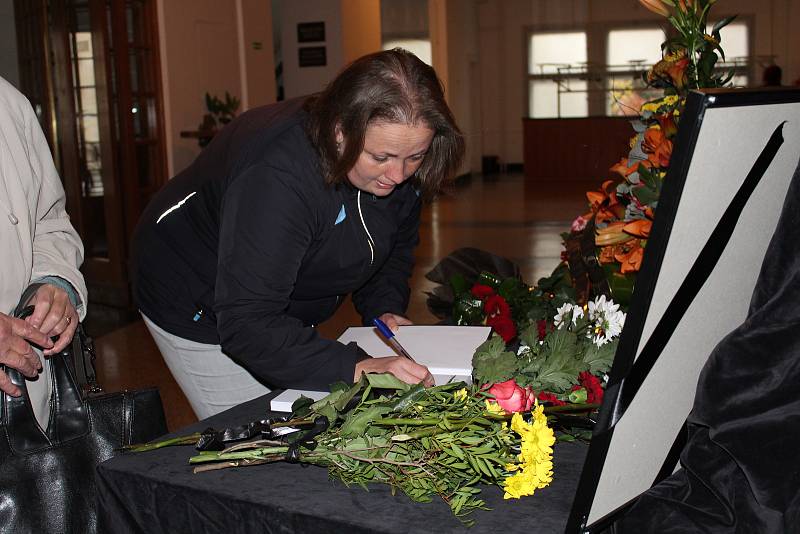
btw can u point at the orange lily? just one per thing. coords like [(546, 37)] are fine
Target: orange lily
[(629, 256), (657, 147), (677, 71), (606, 254), (638, 228), (623, 170), (656, 6), (673, 66), (604, 203), (613, 234)]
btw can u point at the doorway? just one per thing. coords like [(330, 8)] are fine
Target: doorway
[(91, 70)]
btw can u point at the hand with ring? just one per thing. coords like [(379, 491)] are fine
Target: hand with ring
[(54, 315)]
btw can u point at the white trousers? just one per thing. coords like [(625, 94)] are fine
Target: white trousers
[(210, 380)]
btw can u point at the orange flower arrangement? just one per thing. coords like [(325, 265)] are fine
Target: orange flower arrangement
[(621, 213)]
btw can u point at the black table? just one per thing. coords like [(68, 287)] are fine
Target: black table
[(156, 492)]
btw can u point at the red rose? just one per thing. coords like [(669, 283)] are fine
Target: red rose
[(503, 325), (481, 291), (546, 396), (496, 305), (594, 390), (511, 397)]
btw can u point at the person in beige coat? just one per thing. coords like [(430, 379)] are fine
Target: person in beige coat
[(37, 245)]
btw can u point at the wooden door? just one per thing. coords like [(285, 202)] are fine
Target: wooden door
[(101, 70)]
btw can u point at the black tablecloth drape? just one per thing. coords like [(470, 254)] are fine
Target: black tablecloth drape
[(156, 492)]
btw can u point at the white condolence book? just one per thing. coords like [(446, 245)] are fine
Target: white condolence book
[(446, 350)]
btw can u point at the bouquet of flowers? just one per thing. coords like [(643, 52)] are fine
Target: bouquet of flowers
[(441, 441), (609, 241), (561, 361)]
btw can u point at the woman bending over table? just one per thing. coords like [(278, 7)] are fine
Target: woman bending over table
[(291, 207)]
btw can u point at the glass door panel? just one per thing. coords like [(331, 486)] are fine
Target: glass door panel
[(90, 149)]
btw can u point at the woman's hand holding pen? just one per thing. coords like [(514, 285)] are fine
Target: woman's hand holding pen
[(405, 369), (401, 367)]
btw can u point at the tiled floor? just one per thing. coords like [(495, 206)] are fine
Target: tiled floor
[(503, 214)]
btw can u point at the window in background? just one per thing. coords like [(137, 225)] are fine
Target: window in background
[(419, 47), (562, 83), (556, 75), (629, 54)]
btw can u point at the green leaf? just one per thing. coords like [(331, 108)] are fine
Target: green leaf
[(347, 395), (721, 24), (599, 359), (621, 285), (645, 194), (386, 381), (530, 336), (409, 398), (556, 368), (356, 423), (491, 363)]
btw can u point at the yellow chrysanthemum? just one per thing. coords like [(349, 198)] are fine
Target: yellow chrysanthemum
[(519, 485), (494, 408), (670, 99), (535, 468)]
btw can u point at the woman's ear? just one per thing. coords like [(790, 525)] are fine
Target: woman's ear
[(339, 134)]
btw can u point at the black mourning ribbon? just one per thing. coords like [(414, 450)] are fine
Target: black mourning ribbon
[(701, 269), (216, 440), (306, 439)]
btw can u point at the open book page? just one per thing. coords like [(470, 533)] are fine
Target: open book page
[(446, 350)]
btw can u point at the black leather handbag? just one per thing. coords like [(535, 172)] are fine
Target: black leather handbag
[(47, 475)]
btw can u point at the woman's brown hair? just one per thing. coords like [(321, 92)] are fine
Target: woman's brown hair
[(392, 86)]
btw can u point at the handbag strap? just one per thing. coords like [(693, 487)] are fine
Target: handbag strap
[(69, 415), (83, 354)]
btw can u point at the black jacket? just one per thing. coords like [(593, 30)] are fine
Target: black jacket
[(249, 248)]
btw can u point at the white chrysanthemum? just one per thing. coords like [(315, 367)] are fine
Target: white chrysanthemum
[(566, 312), (607, 320)]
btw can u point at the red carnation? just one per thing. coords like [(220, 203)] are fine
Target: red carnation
[(496, 305), (546, 396), (594, 390), (503, 325), (481, 291)]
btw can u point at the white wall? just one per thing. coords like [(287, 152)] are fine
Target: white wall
[(208, 46), (298, 80), (9, 65)]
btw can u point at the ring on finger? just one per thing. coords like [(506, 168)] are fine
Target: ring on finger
[(69, 320)]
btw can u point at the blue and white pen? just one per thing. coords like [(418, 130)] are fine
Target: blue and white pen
[(391, 339)]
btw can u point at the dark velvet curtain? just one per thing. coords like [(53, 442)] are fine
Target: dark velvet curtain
[(741, 465)]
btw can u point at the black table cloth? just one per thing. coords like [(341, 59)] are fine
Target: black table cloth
[(156, 492)]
